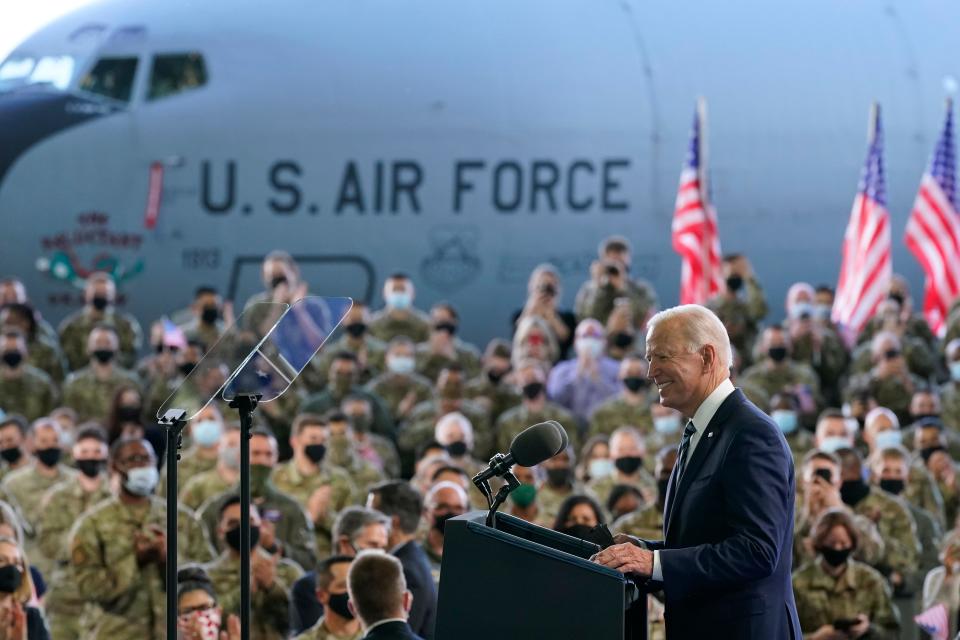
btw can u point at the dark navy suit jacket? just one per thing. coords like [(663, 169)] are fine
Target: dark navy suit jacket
[(728, 532), (416, 571)]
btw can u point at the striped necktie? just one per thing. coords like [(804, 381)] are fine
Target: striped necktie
[(684, 447)]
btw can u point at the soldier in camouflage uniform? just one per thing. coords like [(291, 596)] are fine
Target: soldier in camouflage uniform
[(399, 317), (944, 471), (342, 453), (400, 387), (356, 339), (337, 623), (207, 323), (443, 348), (43, 352), (627, 450), (491, 388), (920, 355), (950, 390), (629, 407), (913, 324), (534, 409), (610, 280), (91, 390), (343, 382), (741, 306), (814, 344), (13, 432), (100, 294), (282, 286), (118, 549), (646, 523), (24, 389), (890, 383), (834, 587), (454, 433), (61, 507), (785, 411), (558, 484), (225, 474), (372, 447), (13, 292), (311, 480), (775, 372)]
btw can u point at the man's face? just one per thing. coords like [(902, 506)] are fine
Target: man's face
[(372, 536), (450, 431), (276, 272), (877, 425), (10, 437), (338, 429), (447, 501), (831, 428), (623, 257), (90, 449), (885, 348), (263, 451), (774, 339), (101, 340), (46, 437), (681, 377), (343, 370), (207, 300), (401, 350), (924, 404), (311, 434), (927, 437), (624, 446), (13, 344), (559, 461), (442, 319), (358, 314), (338, 582), (12, 291), (891, 469), (133, 456), (103, 289)]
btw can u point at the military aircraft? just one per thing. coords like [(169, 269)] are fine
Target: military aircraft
[(176, 142)]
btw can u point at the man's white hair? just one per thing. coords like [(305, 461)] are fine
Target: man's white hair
[(455, 418), (430, 499), (695, 326), (876, 412)]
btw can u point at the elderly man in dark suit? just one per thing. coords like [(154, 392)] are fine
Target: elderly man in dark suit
[(724, 563), (379, 597)]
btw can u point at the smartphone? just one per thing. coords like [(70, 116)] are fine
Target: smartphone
[(825, 474), (845, 624)]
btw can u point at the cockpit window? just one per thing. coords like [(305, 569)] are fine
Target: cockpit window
[(111, 77), (175, 73), (21, 71)]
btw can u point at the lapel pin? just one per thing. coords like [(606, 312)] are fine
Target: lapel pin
[(710, 434)]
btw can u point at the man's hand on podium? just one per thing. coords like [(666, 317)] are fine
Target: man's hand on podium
[(627, 556)]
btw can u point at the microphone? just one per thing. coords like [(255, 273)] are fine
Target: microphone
[(532, 446)]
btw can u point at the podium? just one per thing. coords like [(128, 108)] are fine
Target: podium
[(519, 581)]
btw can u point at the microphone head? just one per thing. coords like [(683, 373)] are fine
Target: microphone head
[(540, 442)]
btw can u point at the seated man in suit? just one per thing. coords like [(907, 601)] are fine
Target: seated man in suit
[(379, 597), (724, 565)]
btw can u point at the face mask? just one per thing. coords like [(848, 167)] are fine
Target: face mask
[(315, 452), (801, 310), (589, 347), (662, 485), (777, 354), (440, 522), (622, 340), (734, 283), (600, 468), (559, 477), (49, 457), (276, 281), (628, 464), (897, 297), (399, 299), (634, 383), (457, 449), (230, 457), (832, 443), (11, 455), (955, 371), (210, 315), (103, 356), (206, 433), (233, 537), (853, 491), (12, 358), (129, 413), (209, 623), (532, 391), (786, 420), (259, 476), (891, 354), (835, 557), (447, 327), (822, 311), (91, 468), (581, 531), (338, 604), (925, 453), (400, 364), (524, 495), (100, 303), (187, 368), (495, 376), (887, 439), (356, 330), (666, 424), (892, 486), (10, 578), (141, 481)]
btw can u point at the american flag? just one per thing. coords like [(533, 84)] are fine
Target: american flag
[(933, 231), (695, 234), (173, 335), (867, 267), (934, 622)]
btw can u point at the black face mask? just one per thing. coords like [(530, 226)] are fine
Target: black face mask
[(495, 376), (581, 531), (634, 383), (925, 453), (91, 468), (457, 449), (559, 477), (777, 354), (315, 452), (48, 457), (897, 297), (103, 356), (233, 537), (622, 340), (892, 486), (448, 327), (11, 455), (210, 315), (734, 283), (10, 578), (12, 358), (628, 464), (187, 368), (853, 491), (100, 303), (277, 281), (835, 557), (129, 413), (338, 604), (440, 522), (532, 391), (662, 485), (356, 330), (891, 354)]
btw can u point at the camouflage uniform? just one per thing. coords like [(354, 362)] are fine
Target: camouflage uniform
[(896, 527), (63, 505), (646, 523), (374, 351), (75, 329), (105, 567), (889, 392), (497, 398), (342, 454), (269, 609), (741, 316), (327, 400), (602, 487), (419, 428), (413, 323), (951, 503), (45, 355), (201, 488), (923, 492), (429, 364), (32, 393), (800, 443), (288, 479), (917, 327), (191, 465), (320, 632), (921, 359), (822, 599), (204, 333), (596, 301), (550, 499), (519, 418), (91, 397), (392, 388), (380, 452), (829, 362), (772, 379), (261, 318), (950, 404), (616, 412), (871, 549)]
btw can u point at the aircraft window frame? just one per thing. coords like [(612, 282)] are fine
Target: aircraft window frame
[(54, 70), (118, 96), (188, 61)]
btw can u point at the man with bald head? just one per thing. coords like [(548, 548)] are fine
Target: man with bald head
[(728, 519), (628, 451), (444, 501), (91, 390)]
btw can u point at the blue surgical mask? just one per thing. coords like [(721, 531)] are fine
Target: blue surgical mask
[(399, 299), (600, 468), (141, 481), (801, 309), (955, 371), (831, 444), (786, 420), (667, 424), (591, 347), (822, 311), (400, 364), (206, 433), (887, 439)]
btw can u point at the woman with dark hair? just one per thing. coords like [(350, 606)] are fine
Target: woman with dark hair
[(578, 515), (127, 421), (19, 620), (595, 459), (199, 616), (43, 352)]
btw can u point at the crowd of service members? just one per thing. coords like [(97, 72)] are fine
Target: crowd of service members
[(375, 444)]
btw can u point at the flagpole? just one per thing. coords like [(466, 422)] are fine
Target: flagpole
[(704, 190), (872, 123)]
